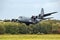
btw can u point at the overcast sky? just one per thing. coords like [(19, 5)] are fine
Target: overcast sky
[(14, 8)]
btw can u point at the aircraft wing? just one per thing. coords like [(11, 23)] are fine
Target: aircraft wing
[(48, 14), (48, 18)]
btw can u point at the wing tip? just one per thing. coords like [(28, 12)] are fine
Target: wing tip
[(55, 12)]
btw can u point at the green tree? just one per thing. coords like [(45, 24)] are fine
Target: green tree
[(2, 29)]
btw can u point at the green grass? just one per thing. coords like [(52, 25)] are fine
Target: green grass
[(30, 37)]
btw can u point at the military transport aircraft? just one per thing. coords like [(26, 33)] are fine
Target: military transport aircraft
[(33, 19)]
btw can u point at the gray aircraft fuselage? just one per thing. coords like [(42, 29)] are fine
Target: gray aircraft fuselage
[(34, 19), (27, 20)]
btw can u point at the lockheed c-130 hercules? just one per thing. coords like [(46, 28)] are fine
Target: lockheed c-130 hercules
[(33, 19)]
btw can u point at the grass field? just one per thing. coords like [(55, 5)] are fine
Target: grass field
[(30, 37)]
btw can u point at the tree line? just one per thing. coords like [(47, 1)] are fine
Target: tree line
[(43, 27)]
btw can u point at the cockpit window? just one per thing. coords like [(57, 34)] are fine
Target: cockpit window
[(20, 17)]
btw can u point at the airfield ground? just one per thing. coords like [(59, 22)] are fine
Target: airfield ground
[(30, 37)]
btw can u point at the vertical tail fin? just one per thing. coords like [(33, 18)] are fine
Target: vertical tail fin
[(42, 12)]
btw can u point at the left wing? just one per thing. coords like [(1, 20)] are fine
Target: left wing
[(48, 14)]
